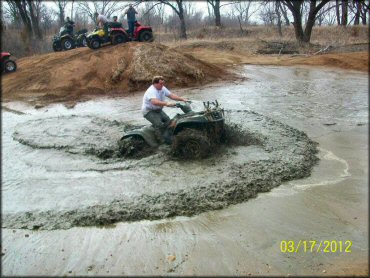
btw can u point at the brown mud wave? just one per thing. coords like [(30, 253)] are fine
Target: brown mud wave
[(284, 153)]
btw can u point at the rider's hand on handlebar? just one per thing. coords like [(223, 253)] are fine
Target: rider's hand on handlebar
[(170, 104)]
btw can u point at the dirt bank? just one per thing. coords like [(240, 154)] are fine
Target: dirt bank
[(258, 52), (80, 74)]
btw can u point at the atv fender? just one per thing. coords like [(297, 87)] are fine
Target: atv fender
[(147, 133)]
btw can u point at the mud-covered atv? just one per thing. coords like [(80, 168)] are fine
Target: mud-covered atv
[(65, 40), (191, 136)]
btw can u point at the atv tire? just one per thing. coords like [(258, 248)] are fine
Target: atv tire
[(68, 44), (56, 49), (83, 41), (10, 66), (191, 144), (94, 44), (132, 147), (146, 36), (119, 38)]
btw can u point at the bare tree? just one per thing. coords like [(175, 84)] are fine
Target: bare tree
[(267, 12), (304, 36), (278, 16), (178, 7), (344, 12), (216, 7), (107, 7), (337, 6), (244, 11), (284, 12), (362, 7), (29, 12), (61, 4), (326, 12), (47, 18), (364, 11)]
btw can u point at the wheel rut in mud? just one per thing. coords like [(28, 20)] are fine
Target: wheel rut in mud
[(261, 153)]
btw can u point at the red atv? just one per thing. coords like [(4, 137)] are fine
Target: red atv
[(117, 34), (142, 33), (7, 65)]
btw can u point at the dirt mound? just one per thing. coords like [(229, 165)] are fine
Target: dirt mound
[(284, 53), (114, 70)]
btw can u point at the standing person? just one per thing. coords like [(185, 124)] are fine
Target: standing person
[(131, 18), (153, 103), (102, 22)]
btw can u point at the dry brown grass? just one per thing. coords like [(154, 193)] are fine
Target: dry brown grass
[(323, 35)]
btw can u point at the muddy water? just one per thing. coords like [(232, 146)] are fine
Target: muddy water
[(39, 175)]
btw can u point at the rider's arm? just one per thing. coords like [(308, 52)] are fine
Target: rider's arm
[(158, 102), (176, 97)]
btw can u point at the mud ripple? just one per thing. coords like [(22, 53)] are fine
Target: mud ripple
[(290, 154)]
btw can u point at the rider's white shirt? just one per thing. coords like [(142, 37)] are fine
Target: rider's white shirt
[(152, 92)]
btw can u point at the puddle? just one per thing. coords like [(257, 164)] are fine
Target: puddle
[(51, 156)]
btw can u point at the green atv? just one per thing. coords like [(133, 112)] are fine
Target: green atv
[(66, 40), (192, 136)]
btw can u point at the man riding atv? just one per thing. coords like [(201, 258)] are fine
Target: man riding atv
[(191, 135), (154, 101), (69, 24)]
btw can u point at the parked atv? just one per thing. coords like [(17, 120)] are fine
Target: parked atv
[(66, 40), (118, 34), (7, 65), (192, 136), (142, 33)]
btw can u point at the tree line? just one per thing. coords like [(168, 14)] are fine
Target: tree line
[(34, 17)]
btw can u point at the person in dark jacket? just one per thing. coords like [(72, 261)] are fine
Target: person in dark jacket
[(131, 19), (69, 24)]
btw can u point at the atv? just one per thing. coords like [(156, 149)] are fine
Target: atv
[(7, 65), (142, 33), (118, 34), (66, 40), (191, 135)]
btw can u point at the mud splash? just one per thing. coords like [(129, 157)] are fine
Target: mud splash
[(278, 153)]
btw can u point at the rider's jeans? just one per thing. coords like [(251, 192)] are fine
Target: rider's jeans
[(131, 26), (158, 118), (160, 121)]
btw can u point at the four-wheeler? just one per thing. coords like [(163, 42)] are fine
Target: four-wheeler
[(142, 33), (7, 65), (192, 134), (118, 34), (65, 40)]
